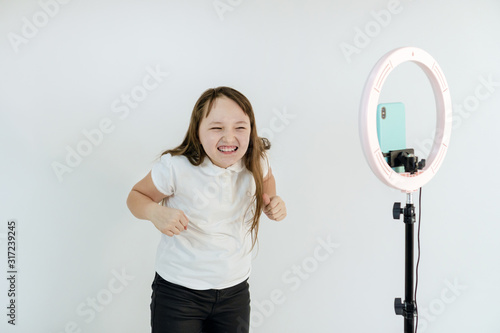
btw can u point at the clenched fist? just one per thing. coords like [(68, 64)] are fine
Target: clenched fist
[(169, 221), (274, 207)]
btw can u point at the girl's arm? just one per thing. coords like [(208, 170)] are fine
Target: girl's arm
[(274, 206), (143, 203), (144, 198), (270, 184)]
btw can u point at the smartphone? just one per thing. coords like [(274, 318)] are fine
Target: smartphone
[(391, 128)]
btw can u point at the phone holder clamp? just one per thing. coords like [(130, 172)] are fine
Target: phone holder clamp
[(405, 158)]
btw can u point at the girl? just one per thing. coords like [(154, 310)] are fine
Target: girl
[(213, 188)]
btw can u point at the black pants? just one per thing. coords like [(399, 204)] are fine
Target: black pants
[(177, 309)]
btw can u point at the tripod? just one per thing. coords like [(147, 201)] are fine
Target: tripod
[(408, 308)]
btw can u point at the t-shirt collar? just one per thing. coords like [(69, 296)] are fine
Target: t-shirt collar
[(236, 167)]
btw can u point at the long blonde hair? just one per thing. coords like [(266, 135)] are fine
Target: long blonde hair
[(193, 150)]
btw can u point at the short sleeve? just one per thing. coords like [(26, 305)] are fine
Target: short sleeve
[(264, 162), (163, 175)]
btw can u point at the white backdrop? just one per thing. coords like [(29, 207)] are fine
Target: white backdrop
[(91, 92)]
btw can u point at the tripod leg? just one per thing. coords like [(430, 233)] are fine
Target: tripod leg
[(409, 271), (407, 308)]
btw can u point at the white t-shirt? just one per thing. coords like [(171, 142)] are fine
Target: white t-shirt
[(214, 251)]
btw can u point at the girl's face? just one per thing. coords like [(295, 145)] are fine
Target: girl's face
[(225, 133)]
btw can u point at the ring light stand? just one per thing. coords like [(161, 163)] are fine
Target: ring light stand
[(406, 182)]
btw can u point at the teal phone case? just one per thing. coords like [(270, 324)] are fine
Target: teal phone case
[(391, 128)]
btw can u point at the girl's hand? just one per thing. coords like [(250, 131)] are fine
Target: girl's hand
[(169, 221), (274, 207)]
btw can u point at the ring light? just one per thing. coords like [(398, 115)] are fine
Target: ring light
[(367, 118)]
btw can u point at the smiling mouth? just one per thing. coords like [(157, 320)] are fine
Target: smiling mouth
[(227, 149)]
